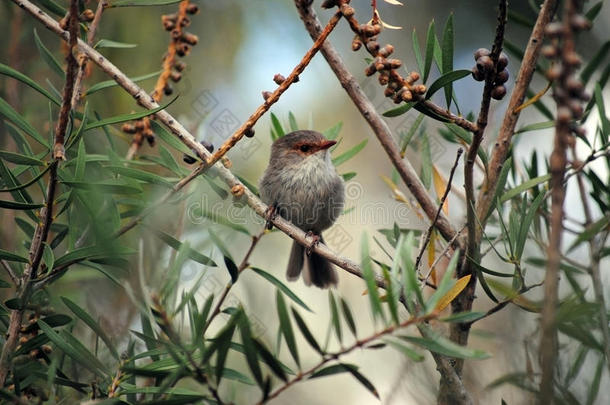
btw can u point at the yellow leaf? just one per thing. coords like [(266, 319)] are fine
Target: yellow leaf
[(440, 185), (451, 294)]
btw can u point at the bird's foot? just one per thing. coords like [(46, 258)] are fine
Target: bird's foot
[(315, 240), (271, 214)]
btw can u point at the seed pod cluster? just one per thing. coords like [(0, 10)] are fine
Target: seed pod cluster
[(484, 68), (398, 88), (180, 45), (570, 91)]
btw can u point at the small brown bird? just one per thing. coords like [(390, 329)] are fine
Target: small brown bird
[(302, 185)]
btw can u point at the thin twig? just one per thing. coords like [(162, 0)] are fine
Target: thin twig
[(524, 77), (440, 207), (66, 106), (273, 97), (242, 266), (594, 269), (377, 124), (10, 272), (558, 162), (77, 93), (459, 332), (46, 213), (335, 356)]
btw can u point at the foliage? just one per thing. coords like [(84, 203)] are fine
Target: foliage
[(185, 346)]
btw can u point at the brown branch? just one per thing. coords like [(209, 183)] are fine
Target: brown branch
[(459, 332), (273, 97), (335, 356), (566, 112), (377, 124), (66, 106), (46, 213), (440, 207), (524, 77), (9, 270), (77, 94)]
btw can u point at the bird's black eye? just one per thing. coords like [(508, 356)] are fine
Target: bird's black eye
[(305, 148)]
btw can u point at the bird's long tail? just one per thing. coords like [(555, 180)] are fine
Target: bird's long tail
[(318, 270)]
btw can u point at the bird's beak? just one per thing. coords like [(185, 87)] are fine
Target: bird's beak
[(326, 144)]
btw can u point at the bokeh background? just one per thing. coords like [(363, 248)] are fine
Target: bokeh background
[(242, 44)]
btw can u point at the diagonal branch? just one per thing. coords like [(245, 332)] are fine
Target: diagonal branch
[(524, 77), (377, 124), (273, 97)]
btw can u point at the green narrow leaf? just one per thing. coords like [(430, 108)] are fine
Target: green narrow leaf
[(11, 115), (294, 126), (526, 185), (48, 257), (594, 388), (406, 350), (127, 117), (286, 326), (306, 333), (394, 112), (426, 162), (79, 171), (332, 132), (594, 229), (599, 101), (12, 205), (74, 349), (447, 57), (417, 51), (27, 184), (332, 370), (369, 277), (442, 345), (107, 43), (463, 317), (231, 268), (277, 126), (91, 323), (364, 381), (168, 138), (430, 38), (111, 83), (12, 257), (249, 348), (391, 297), (349, 318), (105, 187), (141, 175), (446, 79), (595, 61), (281, 286), (406, 139), (274, 364), (525, 224), (222, 343), (535, 127), (47, 56), (405, 245), (334, 311), (9, 71), (594, 11), (345, 156), (53, 7)]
